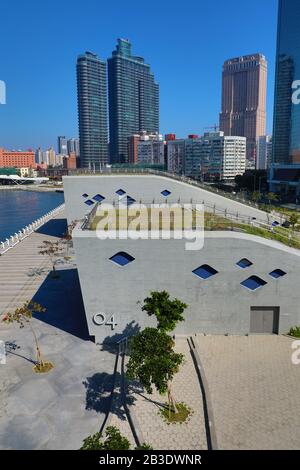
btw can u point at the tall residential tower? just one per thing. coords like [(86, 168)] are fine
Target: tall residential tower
[(244, 90), (133, 99), (285, 170), (92, 111)]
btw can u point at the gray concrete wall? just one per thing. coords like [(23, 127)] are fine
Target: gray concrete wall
[(145, 188), (218, 305)]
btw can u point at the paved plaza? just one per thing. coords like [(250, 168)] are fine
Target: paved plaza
[(254, 389)]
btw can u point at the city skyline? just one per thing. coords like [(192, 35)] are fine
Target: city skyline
[(190, 98)]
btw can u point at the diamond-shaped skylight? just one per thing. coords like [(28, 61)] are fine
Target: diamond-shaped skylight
[(244, 263), (120, 192), (89, 202), (98, 198), (277, 273), (122, 258), (205, 271), (85, 195), (253, 283), (129, 200), (166, 193)]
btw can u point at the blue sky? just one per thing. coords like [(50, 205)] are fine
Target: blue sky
[(185, 42)]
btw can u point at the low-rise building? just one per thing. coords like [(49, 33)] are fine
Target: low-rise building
[(17, 159)]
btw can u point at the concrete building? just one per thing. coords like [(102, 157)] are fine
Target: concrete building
[(133, 100), (244, 91), (227, 155), (38, 156), (17, 159), (74, 146), (285, 169), (70, 162), (92, 111), (236, 284), (211, 156), (264, 152), (176, 156), (62, 145), (151, 149)]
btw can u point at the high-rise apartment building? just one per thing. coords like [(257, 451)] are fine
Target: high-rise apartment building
[(73, 147), (92, 111), (244, 90), (151, 149), (133, 100), (264, 152), (213, 156), (285, 169), (62, 145)]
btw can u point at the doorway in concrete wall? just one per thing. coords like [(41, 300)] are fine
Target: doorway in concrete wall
[(264, 320)]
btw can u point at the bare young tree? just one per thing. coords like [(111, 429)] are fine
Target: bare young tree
[(52, 250), (23, 317)]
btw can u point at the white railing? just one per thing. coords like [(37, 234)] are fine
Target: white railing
[(15, 239)]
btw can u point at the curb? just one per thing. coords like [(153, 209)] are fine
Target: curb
[(211, 434), (134, 426)]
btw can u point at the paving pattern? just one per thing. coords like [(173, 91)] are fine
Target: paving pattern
[(59, 409), (160, 435), (23, 269), (255, 390)]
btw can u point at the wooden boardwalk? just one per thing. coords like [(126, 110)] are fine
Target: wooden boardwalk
[(23, 269)]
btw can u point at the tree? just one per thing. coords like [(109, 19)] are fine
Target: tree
[(294, 220), (256, 196), (272, 197), (154, 362), (68, 235), (53, 250), (168, 312), (114, 441), (23, 317)]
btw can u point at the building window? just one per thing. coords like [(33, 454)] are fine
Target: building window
[(98, 198), (205, 271), (253, 283), (277, 273), (244, 263), (122, 258)]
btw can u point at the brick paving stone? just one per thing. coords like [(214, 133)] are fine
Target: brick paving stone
[(254, 388)]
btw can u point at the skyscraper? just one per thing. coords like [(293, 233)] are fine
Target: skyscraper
[(133, 99), (92, 111), (73, 147), (244, 90), (62, 146), (285, 170)]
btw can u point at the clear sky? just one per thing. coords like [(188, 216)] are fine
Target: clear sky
[(185, 42)]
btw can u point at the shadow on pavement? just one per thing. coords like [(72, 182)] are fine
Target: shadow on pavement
[(54, 228), (63, 300)]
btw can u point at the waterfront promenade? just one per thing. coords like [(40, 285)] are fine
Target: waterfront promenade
[(23, 269), (59, 409)]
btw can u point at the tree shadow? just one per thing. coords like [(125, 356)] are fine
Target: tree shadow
[(110, 343), (104, 395), (11, 347), (54, 228), (63, 300)]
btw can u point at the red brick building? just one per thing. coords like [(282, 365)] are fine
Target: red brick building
[(70, 162), (17, 159)]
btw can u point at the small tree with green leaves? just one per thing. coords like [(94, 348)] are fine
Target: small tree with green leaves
[(52, 250), (154, 362), (256, 196), (113, 441), (23, 317), (272, 197), (168, 312), (294, 220)]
